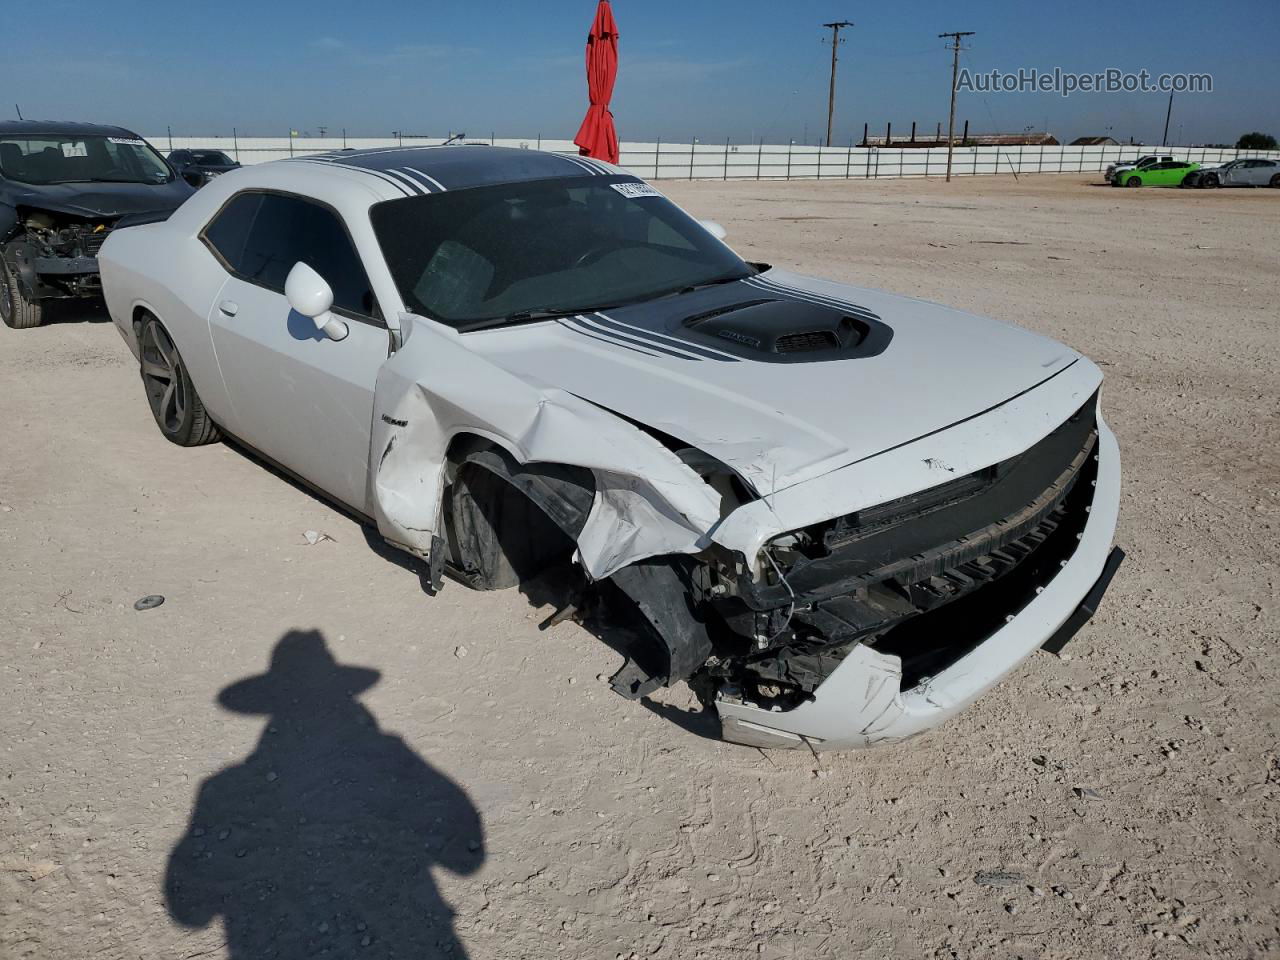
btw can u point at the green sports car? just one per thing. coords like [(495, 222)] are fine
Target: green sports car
[(1169, 173)]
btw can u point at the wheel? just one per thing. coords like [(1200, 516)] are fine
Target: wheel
[(1275, 180), (177, 407), (15, 310), (1209, 180), (1133, 182)]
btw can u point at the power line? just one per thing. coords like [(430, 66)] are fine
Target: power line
[(835, 29), (955, 36)]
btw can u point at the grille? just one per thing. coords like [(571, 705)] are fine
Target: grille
[(804, 342), (956, 581), (1010, 578)]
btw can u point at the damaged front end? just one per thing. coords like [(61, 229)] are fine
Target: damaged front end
[(54, 255), (925, 578), (666, 554)]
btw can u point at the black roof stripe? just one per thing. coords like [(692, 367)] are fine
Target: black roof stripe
[(377, 175), (459, 167), (431, 184), (412, 183), (577, 162)]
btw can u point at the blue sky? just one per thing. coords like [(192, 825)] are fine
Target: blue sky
[(696, 68)]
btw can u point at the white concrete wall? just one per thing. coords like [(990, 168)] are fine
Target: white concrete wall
[(718, 161)]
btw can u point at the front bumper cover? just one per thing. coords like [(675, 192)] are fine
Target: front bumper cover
[(863, 703)]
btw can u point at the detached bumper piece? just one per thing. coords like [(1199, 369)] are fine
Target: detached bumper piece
[(1088, 606)]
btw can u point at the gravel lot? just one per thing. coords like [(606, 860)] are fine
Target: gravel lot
[(491, 798)]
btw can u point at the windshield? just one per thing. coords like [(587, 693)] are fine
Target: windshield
[(51, 158), (213, 158), (517, 250)]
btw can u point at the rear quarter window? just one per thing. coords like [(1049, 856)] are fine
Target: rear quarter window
[(228, 231)]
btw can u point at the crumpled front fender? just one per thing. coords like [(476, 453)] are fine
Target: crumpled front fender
[(647, 502)]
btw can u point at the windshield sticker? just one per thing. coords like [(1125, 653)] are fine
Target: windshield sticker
[(76, 149), (634, 191), (132, 143)]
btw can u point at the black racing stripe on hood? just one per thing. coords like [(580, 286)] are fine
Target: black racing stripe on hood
[(583, 324), (769, 285), (661, 339), (568, 325)]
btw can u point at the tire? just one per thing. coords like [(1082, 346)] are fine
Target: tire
[(174, 402), (1275, 180), (15, 310), (1209, 181), (1133, 182)]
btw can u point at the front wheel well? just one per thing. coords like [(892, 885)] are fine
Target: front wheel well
[(507, 521)]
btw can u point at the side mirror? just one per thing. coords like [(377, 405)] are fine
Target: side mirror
[(310, 296), (714, 229)]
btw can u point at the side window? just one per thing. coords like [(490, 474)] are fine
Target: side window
[(229, 230), (287, 230)]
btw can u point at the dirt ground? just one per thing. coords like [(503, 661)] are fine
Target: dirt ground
[(491, 798)]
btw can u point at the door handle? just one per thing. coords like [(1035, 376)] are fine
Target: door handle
[(229, 307)]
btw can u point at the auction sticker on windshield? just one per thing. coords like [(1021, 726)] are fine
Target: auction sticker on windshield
[(635, 190), (132, 143)]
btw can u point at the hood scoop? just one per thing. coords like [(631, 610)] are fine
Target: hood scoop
[(789, 331)]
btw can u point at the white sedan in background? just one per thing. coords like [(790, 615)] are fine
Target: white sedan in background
[(839, 515)]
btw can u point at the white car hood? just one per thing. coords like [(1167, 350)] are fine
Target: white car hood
[(782, 423)]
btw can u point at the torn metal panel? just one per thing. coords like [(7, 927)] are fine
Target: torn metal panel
[(433, 389)]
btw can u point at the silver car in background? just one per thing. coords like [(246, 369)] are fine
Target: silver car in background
[(1254, 172)]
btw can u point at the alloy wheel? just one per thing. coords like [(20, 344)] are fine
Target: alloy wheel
[(163, 376)]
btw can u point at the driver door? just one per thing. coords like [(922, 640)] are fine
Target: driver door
[(298, 397)]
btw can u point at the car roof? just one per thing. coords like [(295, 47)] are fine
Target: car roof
[(62, 128), (433, 169)]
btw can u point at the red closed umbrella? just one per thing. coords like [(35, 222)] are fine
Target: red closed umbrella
[(597, 136)]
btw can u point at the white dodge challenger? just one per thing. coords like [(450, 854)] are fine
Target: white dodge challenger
[(839, 515)]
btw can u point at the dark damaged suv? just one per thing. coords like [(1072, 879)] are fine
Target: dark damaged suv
[(63, 187)]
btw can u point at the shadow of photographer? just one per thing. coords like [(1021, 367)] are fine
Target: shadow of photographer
[(323, 839)]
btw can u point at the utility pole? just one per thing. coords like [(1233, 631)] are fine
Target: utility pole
[(955, 36), (835, 29), (1164, 141)]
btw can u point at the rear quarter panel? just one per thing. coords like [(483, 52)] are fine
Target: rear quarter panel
[(165, 270)]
